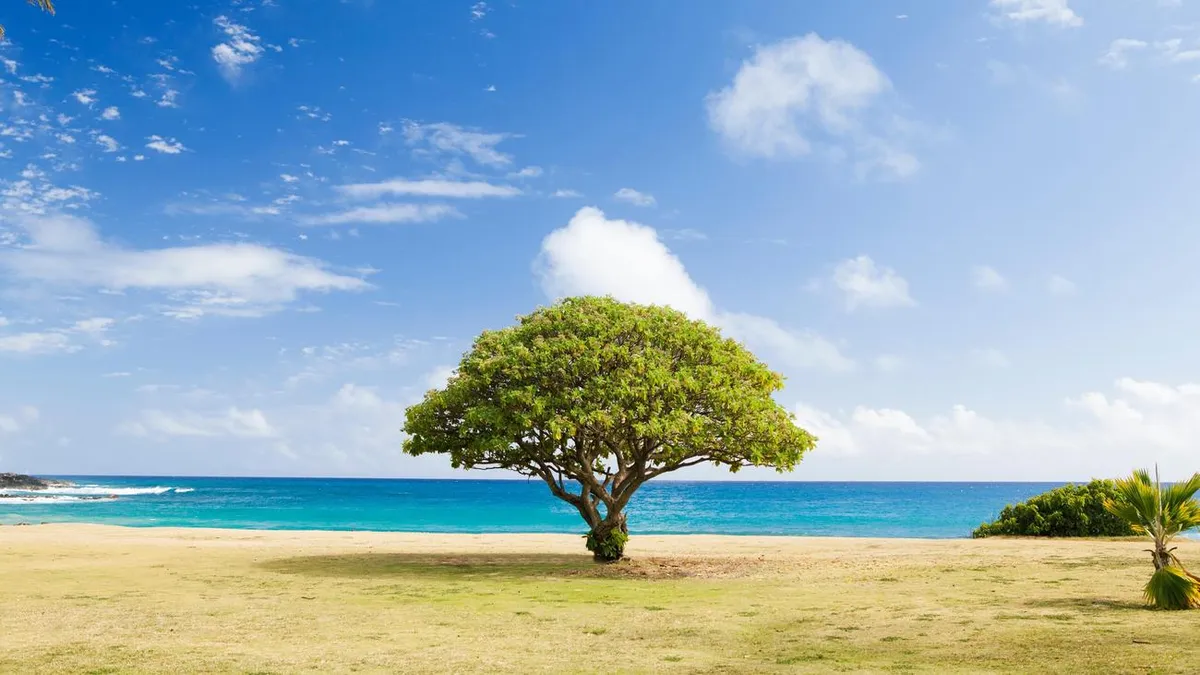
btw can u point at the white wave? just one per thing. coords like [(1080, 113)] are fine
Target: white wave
[(95, 490), (180, 491), (49, 499)]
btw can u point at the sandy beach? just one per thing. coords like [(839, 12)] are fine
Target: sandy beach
[(107, 599)]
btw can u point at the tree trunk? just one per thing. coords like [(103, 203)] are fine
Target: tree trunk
[(607, 539), (1161, 556)]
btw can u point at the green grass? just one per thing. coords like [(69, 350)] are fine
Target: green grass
[(143, 602)]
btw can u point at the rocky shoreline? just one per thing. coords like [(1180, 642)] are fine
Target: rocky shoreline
[(18, 481)]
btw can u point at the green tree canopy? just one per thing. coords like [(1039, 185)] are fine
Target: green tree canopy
[(595, 397), (1068, 511)]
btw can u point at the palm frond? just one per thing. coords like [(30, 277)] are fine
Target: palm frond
[(1172, 588)]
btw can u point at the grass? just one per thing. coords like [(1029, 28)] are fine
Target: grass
[(105, 600)]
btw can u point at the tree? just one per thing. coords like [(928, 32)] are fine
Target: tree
[(596, 397), (1067, 511), (44, 5), (1161, 513)]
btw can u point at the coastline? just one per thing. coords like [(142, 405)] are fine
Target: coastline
[(559, 544)]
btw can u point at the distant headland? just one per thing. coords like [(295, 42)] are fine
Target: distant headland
[(18, 481)]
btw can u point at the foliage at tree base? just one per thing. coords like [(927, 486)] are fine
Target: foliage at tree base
[(1172, 587), (1069, 511), (610, 548)]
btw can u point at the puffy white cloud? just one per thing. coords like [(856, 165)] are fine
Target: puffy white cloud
[(85, 96), (595, 255), (1060, 286), (865, 284), (167, 146), (1117, 56), (107, 142), (566, 194), (232, 279), (428, 188), (1056, 12), (631, 196), (386, 213), (234, 422), (450, 139), (241, 48), (791, 90), (1096, 434), (988, 279), (111, 113)]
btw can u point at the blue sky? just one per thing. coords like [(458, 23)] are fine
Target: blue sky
[(239, 238)]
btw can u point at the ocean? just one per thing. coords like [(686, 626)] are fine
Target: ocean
[(922, 510)]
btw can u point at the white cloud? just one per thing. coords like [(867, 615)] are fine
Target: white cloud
[(1050, 11), (234, 422), (438, 377), (428, 188), (107, 142), (593, 255), (794, 89), (864, 284), (1098, 434), (988, 279), (46, 342), (1060, 286), (167, 146), (20, 420), (631, 196), (1117, 56), (566, 194), (1172, 52), (226, 279), (289, 178), (85, 96), (987, 357), (889, 363), (527, 172), (451, 139), (386, 213), (241, 49), (111, 113), (168, 99)]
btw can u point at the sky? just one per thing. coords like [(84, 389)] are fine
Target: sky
[(239, 238)]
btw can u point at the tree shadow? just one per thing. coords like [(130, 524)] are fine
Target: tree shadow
[(1088, 604), (441, 565), (504, 566)]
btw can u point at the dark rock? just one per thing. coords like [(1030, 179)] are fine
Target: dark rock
[(16, 481)]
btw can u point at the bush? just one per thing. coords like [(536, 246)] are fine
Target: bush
[(1068, 511)]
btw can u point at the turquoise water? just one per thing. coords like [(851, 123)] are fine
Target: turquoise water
[(927, 510)]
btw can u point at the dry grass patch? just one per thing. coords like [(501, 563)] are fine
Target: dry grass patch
[(86, 599)]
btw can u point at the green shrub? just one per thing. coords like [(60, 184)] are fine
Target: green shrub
[(1068, 511)]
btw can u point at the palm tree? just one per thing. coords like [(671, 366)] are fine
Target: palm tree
[(1161, 513), (44, 5)]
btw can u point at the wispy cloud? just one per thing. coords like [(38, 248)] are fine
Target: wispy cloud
[(384, 214), (428, 188)]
